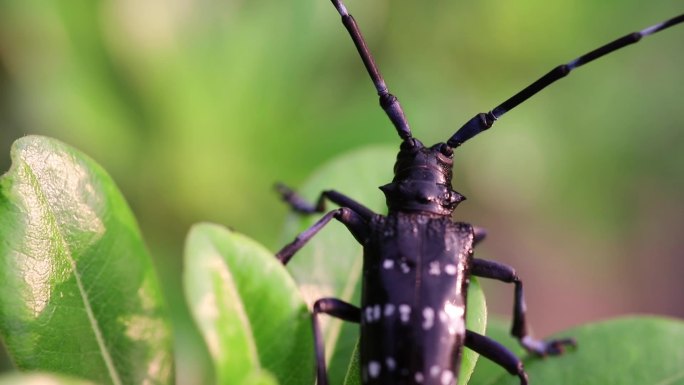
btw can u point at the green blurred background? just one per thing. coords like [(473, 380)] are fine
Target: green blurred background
[(197, 107)]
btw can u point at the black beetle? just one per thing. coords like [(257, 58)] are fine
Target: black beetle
[(417, 261)]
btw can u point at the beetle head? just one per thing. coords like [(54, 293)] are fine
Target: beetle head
[(422, 180)]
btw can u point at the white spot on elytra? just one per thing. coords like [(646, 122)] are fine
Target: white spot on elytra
[(388, 264), (434, 371), (405, 312), (389, 309), (391, 364), (455, 316), (443, 317), (450, 269), (447, 377), (454, 311), (428, 318), (404, 267), (373, 369), (434, 268), (418, 377), (369, 314), (376, 312)]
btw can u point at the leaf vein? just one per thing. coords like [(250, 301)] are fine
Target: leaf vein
[(92, 319)]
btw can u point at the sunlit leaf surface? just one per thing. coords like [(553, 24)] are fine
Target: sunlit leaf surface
[(624, 351), (79, 292), (248, 309), (40, 379)]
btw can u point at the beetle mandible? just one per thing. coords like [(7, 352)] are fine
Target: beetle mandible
[(417, 262)]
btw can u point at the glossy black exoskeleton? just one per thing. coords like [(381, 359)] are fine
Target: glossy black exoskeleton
[(417, 261)]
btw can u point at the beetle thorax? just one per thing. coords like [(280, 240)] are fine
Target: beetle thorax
[(422, 180)]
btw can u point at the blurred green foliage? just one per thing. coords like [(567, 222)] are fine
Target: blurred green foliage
[(197, 107)]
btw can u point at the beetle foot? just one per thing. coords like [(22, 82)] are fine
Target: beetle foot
[(296, 202), (522, 374), (547, 348)]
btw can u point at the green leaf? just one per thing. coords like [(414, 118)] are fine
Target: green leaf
[(261, 378), (631, 350), (80, 295), (40, 379), (330, 264), (248, 309)]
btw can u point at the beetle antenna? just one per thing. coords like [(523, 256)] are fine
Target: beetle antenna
[(483, 121), (388, 102)]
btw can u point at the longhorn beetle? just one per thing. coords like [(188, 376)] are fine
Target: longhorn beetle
[(417, 262)]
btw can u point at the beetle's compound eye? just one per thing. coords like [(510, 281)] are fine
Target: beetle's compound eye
[(446, 150)]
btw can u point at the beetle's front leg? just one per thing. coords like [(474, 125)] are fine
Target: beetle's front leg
[(505, 273), (354, 222), (300, 205)]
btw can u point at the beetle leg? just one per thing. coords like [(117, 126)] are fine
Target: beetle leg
[(350, 218), (497, 353), (505, 273), (338, 309), (300, 205)]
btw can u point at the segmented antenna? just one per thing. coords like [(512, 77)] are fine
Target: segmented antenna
[(483, 121), (388, 102)]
